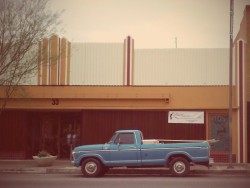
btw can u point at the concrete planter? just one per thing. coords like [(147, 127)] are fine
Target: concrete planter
[(45, 161)]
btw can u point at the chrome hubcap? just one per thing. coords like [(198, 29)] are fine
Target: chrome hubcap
[(179, 167), (90, 167)]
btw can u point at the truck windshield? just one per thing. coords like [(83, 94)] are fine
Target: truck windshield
[(112, 139)]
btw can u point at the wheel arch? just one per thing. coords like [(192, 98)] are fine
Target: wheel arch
[(91, 157), (172, 156)]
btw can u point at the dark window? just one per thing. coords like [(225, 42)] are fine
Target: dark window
[(125, 138)]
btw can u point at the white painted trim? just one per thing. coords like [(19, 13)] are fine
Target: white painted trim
[(238, 102), (244, 104), (66, 63), (125, 61), (49, 64), (40, 79), (58, 59)]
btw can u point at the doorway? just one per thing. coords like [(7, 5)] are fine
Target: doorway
[(49, 132)]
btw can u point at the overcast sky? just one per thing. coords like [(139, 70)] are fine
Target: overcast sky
[(152, 23)]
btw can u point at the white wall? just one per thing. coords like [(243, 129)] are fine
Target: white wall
[(96, 64), (181, 67)]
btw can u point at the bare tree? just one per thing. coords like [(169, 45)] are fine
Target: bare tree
[(23, 23)]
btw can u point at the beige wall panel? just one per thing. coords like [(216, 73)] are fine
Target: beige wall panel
[(96, 64), (181, 67), (39, 73), (45, 61), (54, 59), (64, 62), (68, 63)]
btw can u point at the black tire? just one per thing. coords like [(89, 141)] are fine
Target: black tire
[(91, 167), (179, 167)]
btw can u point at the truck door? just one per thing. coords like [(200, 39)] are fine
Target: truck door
[(124, 150)]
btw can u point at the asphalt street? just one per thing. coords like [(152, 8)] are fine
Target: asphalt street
[(75, 181)]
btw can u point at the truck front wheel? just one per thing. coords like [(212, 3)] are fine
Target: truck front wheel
[(91, 167), (179, 167)]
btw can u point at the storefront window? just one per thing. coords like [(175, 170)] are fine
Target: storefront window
[(219, 130)]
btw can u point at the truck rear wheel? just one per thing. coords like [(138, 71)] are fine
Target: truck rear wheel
[(179, 167), (91, 167)]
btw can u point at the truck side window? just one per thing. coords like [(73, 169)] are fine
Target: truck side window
[(125, 138)]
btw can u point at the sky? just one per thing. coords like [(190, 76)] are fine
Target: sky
[(151, 23)]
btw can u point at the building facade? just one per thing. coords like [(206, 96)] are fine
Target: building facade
[(93, 89), (242, 59)]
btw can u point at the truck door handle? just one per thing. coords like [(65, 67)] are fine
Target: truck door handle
[(132, 147)]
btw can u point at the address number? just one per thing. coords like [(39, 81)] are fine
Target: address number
[(55, 101)]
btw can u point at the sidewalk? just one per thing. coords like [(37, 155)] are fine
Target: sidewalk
[(65, 167)]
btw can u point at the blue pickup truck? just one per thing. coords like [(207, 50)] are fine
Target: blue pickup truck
[(128, 148)]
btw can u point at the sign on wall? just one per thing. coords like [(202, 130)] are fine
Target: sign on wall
[(190, 117)]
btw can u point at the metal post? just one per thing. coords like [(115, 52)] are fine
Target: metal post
[(230, 84), (70, 154)]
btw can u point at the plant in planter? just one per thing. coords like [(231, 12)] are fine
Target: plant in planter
[(44, 158)]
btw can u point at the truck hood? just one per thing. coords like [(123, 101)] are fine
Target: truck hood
[(89, 147)]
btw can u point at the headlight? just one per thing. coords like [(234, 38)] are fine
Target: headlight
[(75, 152)]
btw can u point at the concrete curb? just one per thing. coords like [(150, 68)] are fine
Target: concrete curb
[(24, 171), (167, 172), (66, 170), (41, 170), (65, 167), (120, 171)]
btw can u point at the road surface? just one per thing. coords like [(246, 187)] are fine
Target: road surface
[(78, 181)]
